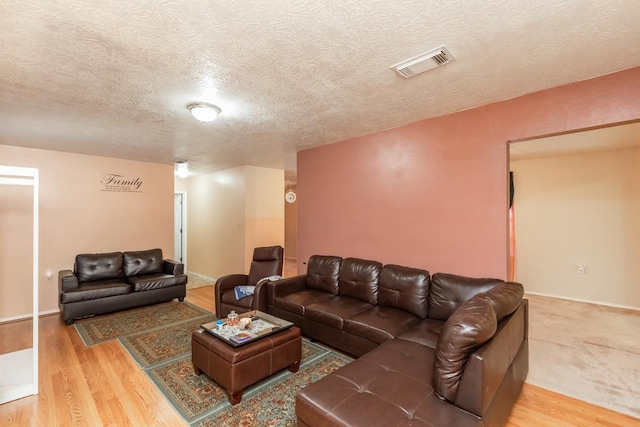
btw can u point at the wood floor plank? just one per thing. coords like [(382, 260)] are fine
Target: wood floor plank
[(102, 385)]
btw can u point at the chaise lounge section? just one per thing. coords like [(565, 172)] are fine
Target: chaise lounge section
[(439, 350), (107, 282)]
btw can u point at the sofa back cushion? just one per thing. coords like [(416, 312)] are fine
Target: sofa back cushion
[(92, 267), (449, 291), (359, 279), (322, 273), (470, 326), (137, 263), (505, 298), (404, 288)]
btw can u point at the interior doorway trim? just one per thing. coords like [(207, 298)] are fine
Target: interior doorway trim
[(183, 214), (15, 364)]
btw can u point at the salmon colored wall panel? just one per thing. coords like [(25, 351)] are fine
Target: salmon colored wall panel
[(78, 215), (433, 194), (290, 229), (263, 232)]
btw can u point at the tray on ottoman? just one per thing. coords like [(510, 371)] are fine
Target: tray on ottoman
[(262, 325)]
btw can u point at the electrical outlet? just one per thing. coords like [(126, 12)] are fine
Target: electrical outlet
[(581, 268)]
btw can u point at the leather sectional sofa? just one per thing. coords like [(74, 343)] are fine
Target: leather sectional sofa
[(107, 282), (441, 350)]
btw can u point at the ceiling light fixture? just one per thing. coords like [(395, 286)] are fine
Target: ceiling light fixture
[(182, 169), (204, 112)]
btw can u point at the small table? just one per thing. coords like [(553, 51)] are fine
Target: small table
[(236, 366)]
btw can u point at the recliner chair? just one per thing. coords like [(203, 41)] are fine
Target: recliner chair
[(267, 261)]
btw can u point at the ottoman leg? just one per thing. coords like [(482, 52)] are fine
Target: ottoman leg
[(197, 370), (294, 366), (236, 397)]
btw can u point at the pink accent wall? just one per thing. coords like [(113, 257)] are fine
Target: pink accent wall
[(433, 194)]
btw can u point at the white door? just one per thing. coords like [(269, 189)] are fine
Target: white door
[(178, 228)]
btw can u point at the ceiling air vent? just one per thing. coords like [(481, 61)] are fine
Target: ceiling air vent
[(426, 61)]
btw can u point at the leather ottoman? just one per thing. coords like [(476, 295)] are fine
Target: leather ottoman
[(236, 368)]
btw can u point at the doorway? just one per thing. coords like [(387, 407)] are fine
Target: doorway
[(575, 205), (19, 361), (577, 230)]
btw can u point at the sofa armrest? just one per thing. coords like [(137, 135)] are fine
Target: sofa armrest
[(67, 281), (285, 287), (227, 283), (259, 301), (488, 367), (170, 266)]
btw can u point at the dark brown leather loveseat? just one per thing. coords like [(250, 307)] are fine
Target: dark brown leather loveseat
[(441, 350), (108, 282)]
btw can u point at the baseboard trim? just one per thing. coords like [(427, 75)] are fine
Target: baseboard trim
[(21, 317), (586, 301)]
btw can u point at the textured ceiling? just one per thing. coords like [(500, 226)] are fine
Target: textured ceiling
[(113, 78)]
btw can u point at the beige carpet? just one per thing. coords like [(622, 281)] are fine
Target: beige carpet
[(197, 281), (586, 351)]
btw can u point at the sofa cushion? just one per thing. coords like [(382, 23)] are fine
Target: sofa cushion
[(155, 281), (389, 386), (333, 311), (359, 279), (426, 333), (322, 273), (297, 302), (380, 324), (470, 326), (449, 291), (405, 288), (137, 263), (94, 290), (93, 267)]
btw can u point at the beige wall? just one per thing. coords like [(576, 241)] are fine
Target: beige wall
[(580, 209), (215, 218), (77, 215), (228, 214), (264, 209)]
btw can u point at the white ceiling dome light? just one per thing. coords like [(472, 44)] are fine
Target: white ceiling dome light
[(182, 170), (204, 112)]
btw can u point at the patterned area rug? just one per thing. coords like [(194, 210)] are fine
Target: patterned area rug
[(165, 356), (99, 329)]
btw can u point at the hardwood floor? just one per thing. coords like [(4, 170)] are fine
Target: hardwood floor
[(103, 386)]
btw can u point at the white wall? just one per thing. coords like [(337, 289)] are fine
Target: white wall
[(580, 209)]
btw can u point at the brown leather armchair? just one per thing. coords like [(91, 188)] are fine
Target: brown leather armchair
[(267, 261)]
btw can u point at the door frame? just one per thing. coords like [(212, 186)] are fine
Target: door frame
[(183, 212)]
